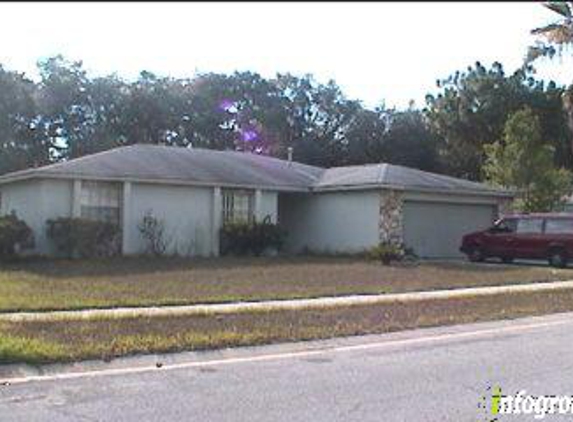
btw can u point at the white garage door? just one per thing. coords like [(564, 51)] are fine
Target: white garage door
[(435, 229)]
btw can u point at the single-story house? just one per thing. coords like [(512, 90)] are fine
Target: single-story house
[(194, 191)]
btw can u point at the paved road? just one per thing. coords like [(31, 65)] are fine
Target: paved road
[(423, 375)]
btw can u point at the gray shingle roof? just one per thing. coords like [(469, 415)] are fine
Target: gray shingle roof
[(201, 166), (399, 177), (231, 168)]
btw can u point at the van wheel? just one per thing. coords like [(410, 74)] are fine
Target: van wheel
[(476, 254), (557, 258)]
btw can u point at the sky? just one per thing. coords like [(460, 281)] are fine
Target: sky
[(388, 53)]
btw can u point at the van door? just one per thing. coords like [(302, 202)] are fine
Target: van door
[(559, 232), (501, 238), (529, 238)]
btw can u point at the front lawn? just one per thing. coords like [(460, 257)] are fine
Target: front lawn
[(64, 284), (37, 342)]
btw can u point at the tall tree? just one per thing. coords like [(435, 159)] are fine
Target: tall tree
[(154, 110), (524, 161), (471, 108), (366, 136), (410, 141), (553, 40), (63, 101), (395, 137), (318, 118), (242, 111), (21, 142)]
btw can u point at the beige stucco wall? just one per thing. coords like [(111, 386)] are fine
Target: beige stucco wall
[(333, 222), (185, 210), (350, 222), (269, 205), (328, 222), (188, 215), (36, 201)]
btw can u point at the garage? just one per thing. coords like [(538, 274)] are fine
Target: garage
[(435, 229)]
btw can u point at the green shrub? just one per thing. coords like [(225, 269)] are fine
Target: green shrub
[(78, 237), (251, 238), (14, 235), (389, 251)]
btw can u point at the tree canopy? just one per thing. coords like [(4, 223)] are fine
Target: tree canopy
[(67, 114), (523, 160), (471, 108)]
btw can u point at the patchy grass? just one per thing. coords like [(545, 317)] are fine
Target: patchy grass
[(64, 284), (38, 342)]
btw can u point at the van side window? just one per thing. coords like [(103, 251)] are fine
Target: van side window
[(529, 225), (558, 225)]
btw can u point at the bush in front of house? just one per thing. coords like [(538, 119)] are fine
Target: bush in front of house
[(15, 235), (386, 252), (79, 237), (242, 238)]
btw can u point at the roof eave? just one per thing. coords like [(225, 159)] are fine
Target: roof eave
[(369, 186), (178, 182)]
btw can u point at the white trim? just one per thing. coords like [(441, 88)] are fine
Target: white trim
[(76, 198), (278, 188), (443, 198), (125, 218), (216, 219), (373, 186), (258, 206), (175, 182)]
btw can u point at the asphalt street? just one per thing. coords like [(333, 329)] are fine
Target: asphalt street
[(437, 374)]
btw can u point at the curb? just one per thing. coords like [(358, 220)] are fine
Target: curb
[(280, 305)]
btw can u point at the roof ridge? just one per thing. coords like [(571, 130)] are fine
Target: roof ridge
[(81, 158)]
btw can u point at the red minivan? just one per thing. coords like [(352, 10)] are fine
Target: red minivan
[(529, 236)]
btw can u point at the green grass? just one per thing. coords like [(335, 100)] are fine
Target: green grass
[(57, 341), (65, 284)]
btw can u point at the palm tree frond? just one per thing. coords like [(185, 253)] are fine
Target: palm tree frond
[(545, 29), (556, 33), (561, 7)]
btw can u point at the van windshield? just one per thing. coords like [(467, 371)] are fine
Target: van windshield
[(506, 225)]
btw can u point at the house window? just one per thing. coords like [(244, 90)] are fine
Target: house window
[(101, 201), (238, 206)]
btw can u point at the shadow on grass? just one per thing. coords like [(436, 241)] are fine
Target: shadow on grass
[(118, 266)]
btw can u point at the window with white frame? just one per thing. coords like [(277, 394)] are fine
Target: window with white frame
[(101, 201), (238, 205)]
